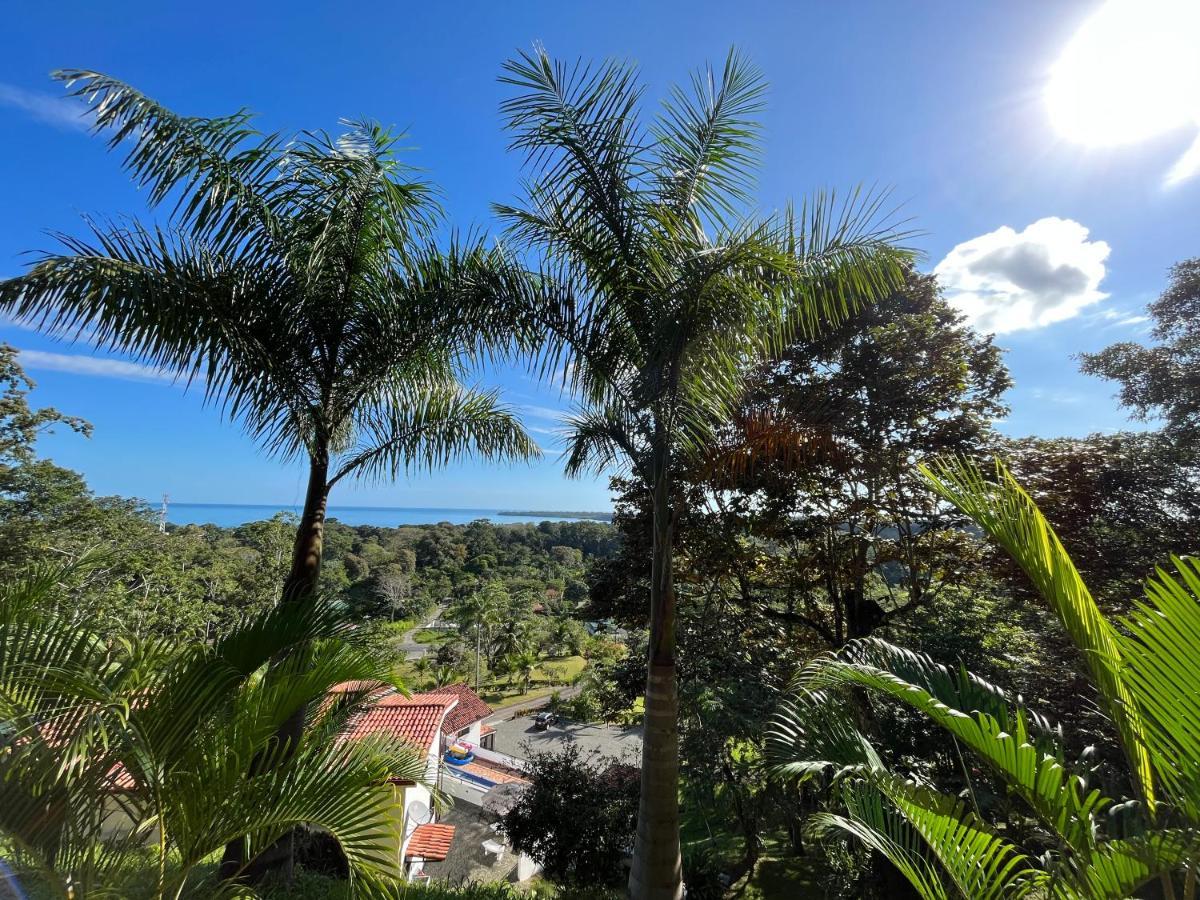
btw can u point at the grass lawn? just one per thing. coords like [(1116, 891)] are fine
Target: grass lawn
[(782, 879), (504, 696), (433, 636), (550, 676), (564, 669)]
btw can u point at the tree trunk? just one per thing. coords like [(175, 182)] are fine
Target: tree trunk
[(301, 581), (657, 870), (310, 536)]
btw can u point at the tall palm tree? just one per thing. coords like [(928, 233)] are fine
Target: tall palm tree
[(657, 287), (297, 279)]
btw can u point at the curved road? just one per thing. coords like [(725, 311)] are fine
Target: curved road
[(409, 646)]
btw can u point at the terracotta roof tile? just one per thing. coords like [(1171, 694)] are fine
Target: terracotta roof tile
[(470, 707), (416, 720), (431, 842), (493, 773)]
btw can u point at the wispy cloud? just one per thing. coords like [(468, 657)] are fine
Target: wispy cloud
[(544, 412), (95, 366), (1057, 397), (60, 112)]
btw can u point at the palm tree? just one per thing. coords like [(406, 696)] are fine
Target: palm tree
[(1091, 846), (657, 288), (117, 753), (523, 662), (297, 280)]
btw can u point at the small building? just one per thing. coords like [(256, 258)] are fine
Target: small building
[(465, 722), (421, 721)]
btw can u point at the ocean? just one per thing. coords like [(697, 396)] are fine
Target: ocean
[(228, 515)]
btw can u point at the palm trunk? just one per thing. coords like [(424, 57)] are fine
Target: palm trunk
[(310, 536), (657, 870), (301, 581)]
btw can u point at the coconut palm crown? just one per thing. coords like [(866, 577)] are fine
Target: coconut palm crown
[(297, 280), (657, 285)]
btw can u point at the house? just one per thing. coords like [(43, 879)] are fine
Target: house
[(465, 722), (421, 721)]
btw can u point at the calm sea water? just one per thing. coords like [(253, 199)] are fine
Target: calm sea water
[(227, 515)]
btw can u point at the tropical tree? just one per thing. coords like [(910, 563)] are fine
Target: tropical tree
[(121, 752), (523, 663), (1091, 846), (657, 287), (297, 280), (1155, 381)]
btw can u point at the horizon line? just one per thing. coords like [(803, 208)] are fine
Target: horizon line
[(171, 503)]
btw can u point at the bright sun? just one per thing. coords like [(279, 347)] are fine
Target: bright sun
[(1132, 71)]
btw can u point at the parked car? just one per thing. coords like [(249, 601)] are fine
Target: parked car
[(544, 720)]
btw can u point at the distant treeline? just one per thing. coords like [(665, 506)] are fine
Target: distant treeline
[(559, 514)]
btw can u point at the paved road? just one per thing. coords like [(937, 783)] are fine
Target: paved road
[(516, 736), (409, 647), (504, 713)]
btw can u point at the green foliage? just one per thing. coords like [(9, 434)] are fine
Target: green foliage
[(140, 748), (942, 844), (1156, 381), (577, 818)]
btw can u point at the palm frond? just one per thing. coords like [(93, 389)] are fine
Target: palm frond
[(981, 864), (877, 824), (707, 140), (1158, 649), (1009, 516), (1020, 748), (603, 438), (224, 171), (429, 428)]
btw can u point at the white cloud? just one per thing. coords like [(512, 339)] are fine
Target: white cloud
[(544, 412), (58, 111), (1008, 280), (1057, 397), (97, 366)]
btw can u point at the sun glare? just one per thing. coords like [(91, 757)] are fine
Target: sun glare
[(1132, 71)]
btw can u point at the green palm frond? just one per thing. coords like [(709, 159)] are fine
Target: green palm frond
[(1117, 868), (981, 864), (428, 428), (1010, 517), (109, 746), (708, 139), (1023, 750), (224, 172), (601, 439), (1158, 653), (875, 822), (810, 734), (577, 125)]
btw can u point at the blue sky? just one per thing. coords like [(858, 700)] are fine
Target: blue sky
[(1057, 245)]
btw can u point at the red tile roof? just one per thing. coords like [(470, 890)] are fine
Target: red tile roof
[(494, 773), (470, 708), (416, 720), (431, 842)]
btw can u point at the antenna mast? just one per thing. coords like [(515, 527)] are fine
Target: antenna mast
[(162, 516)]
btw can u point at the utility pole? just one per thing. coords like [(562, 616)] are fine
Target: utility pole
[(477, 632), (162, 516)]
